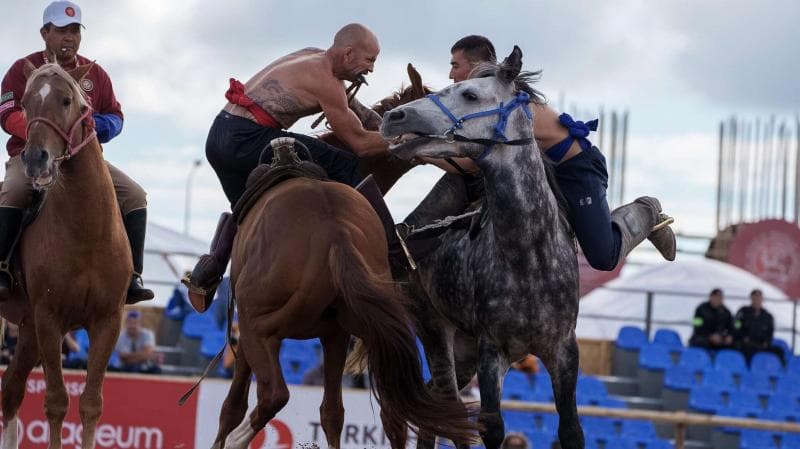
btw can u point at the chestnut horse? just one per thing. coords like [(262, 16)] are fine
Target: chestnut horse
[(311, 260), (75, 257)]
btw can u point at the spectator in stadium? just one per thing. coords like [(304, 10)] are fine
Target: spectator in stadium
[(136, 347), (713, 324), (71, 346), (755, 328), (516, 440), (10, 336)]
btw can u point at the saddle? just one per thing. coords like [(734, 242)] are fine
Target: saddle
[(285, 165)]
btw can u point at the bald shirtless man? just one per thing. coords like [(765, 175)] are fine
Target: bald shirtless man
[(297, 85), (580, 170)]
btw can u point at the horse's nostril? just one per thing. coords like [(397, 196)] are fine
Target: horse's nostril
[(397, 115), (44, 156)]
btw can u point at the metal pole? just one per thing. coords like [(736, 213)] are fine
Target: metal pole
[(623, 157), (797, 172), (188, 198), (743, 171), (719, 173), (613, 157), (680, 435), (756, 175), (648, 315), (784, 158), (730, 177)]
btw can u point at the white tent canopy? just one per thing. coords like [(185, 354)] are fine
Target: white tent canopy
[(678, 288), (168, 254)]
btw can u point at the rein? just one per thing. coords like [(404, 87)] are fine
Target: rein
[(71, 150), (521, 100)]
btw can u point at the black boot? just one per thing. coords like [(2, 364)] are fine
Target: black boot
[(10, 227), (399, 258), (136, 227), (208, 272)]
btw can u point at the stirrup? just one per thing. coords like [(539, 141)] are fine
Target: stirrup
[(666, 221), (200, 298)]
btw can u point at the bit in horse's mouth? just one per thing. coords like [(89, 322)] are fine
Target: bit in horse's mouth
[(43, 182), (404, 138)]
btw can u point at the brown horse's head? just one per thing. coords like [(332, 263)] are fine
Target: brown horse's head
[(56, 110), (384, 168)]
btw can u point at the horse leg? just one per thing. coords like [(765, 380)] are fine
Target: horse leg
[(273, 394), (438, 343), (103, 335), (331, 411), (25, 358), (562, 364), (235, 405), (56, 400), (492, 368)]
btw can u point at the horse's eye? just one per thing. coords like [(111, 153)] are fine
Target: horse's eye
[(66, 102), (470, 96)]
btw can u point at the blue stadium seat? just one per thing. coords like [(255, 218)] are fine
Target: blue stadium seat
[(782, 415), (781, 343), (680, 378), (518, 421), (757, 439), (718, 378), (790, 440), (538, 439), (195, 325), (612, 403), (517, 386), (178, 306), (591, 387), (546, 422), (620, 443), (655, 357), (212, 343), (668, 338), (756, 381), (638, 430), (706, 399), (695, 358), (766, 362), (782, 402), (730, 360), (788, 386), (114, 361), (631, 338), (793, 366), (745, 399), (657, 443), (598, 428), (741, 412)]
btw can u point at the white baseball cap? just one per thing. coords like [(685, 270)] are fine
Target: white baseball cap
[(61, 14)]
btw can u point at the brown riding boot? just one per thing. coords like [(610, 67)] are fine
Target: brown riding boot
[(207, 274), (642, 219)]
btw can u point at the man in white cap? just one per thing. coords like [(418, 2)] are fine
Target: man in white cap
[(61, 32)]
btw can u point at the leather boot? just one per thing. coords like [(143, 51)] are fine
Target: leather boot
[(10, 228), (136, 228), (399, 258), (207, 274), (643, 219)]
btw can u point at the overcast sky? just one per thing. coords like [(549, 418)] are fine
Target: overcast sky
[(679, 67)]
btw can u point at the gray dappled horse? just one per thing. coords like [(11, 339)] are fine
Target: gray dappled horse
[(486, 302)]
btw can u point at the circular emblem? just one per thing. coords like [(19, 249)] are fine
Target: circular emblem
[(769, 249), (276, 435), (69, 11), (87, 85)]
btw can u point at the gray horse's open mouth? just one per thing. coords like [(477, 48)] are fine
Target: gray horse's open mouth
[(404, 145)]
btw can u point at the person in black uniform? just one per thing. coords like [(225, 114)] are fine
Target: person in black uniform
[(755, 328), (713, 324)]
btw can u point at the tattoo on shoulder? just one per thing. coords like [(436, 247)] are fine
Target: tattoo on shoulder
[(278, 102)]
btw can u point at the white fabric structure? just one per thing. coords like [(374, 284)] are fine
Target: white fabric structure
[(168, 254), (678, 288)]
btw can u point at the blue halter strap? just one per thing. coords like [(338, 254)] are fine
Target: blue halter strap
[(521, 100), (577, 131)]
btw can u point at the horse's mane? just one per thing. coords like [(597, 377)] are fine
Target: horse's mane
[(395, 99), (523, 83), (55, 69)]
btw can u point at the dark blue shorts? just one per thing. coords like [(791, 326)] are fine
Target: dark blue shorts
[(584, 181), (234, 145)]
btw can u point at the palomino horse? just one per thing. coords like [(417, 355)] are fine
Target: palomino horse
[(75, 257), (483, 303), (310, 260), (385, 168)]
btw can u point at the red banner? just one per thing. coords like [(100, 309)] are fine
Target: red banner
[(591, 279), (769, 249), (139, 412)]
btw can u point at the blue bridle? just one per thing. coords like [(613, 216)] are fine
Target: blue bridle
[(521, 100)]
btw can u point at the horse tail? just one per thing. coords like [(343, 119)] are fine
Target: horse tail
[(377, 311)]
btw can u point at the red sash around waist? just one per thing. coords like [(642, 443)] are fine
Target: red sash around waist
[(236, 95)]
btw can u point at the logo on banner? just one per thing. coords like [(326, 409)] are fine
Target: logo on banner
[(276, 435)]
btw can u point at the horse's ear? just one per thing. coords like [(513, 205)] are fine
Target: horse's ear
[(28, 69), (511, 66), (416, 81), (81, 71)]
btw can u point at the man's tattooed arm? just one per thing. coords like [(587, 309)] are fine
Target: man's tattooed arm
[(369, 118)]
